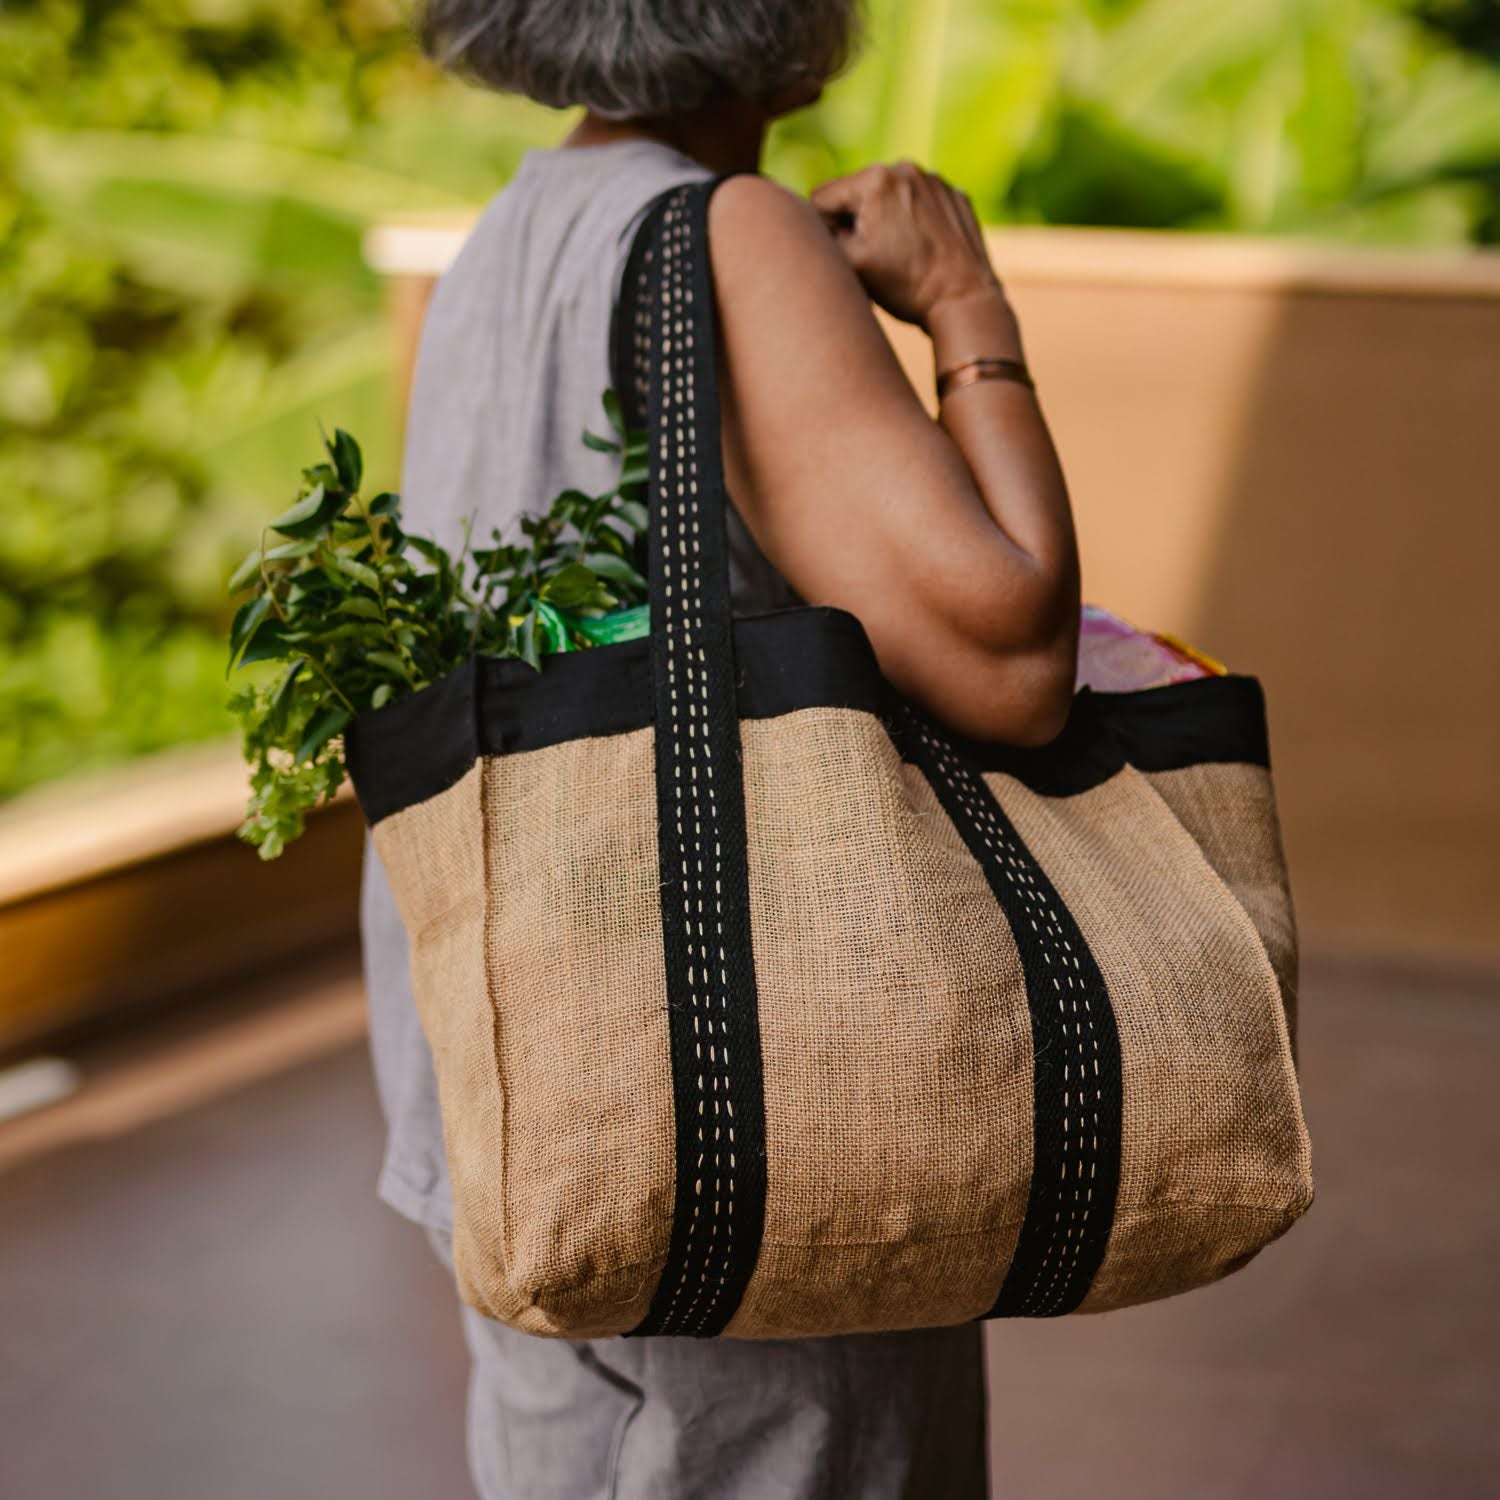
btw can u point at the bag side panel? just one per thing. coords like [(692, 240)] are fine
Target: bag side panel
[(433, 853), (895, 1041), (1215, 1159), (1230, 811), (573, 942)]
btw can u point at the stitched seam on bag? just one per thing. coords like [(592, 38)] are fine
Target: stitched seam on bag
[(901, 1239), (1290, 999), (1269, 1210), (1239, 1205), (491, 991)]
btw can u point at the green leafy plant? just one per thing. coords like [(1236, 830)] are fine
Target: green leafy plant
[(357, 612)]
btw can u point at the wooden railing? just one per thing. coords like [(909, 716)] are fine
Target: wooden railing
[(129, 887)]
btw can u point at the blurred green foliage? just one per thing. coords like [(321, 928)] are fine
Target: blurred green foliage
[(184, 185), (183, 189), (1363, 121)]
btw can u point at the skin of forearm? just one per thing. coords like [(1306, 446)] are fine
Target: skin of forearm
[(999, 429)]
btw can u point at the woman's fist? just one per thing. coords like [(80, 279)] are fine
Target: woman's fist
[(911, 238)]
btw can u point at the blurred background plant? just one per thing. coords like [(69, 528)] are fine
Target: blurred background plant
[(184, 185)]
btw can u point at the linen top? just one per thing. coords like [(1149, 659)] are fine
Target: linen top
[(512, 362)]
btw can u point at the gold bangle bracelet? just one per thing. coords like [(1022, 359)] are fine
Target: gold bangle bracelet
[(970, 371)]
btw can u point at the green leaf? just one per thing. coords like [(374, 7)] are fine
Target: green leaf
[(284, 550), (311, 514), (616, 569), (613, 411), (247, 572), (347, 460), (599, 444), (430, 550), (362, 633), (270, 642), (634, 514), (572, 500), (611, 541), (382, 695), (636, 471), (526, 641), (358, 571), (246, 621), (311, 589), (390, 662), (281, 697), (324, 474), (322, 727), (361, 608), (573, 584), (385, 504), (306, 507)]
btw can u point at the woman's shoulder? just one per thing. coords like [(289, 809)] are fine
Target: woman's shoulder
[(776, 264)]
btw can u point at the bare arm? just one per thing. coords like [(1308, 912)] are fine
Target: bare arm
[(952, 541)]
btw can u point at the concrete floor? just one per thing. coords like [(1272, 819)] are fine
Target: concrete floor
[(200, 1298)]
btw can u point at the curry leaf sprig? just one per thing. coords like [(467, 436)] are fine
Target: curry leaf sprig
[(358, 612)]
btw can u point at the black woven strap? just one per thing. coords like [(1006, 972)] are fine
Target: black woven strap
[(1075, 1045), (666, 311)]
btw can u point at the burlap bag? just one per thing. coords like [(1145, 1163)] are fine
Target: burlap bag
[(763, 1006)]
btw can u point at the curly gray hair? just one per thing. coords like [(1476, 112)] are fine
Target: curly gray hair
[(627, 58)]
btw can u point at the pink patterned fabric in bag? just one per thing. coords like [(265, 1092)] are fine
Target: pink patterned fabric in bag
[(1115, 657)]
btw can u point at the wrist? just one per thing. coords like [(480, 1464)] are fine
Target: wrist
[(979, 322)]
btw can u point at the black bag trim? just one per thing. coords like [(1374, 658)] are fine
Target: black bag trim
[(1076, 1091), (807, 657)]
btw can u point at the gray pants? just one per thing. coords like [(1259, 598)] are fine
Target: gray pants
[(895, 1416)]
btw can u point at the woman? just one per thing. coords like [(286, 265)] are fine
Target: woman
[(951, 540)]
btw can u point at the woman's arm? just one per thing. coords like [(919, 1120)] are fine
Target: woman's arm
[(952, 541)]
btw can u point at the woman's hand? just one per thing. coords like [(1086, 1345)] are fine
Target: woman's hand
[(912, 239)]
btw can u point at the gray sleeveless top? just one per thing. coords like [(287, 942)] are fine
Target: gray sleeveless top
[(512, 362)]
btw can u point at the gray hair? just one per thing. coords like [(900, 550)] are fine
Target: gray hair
[(627, 58)]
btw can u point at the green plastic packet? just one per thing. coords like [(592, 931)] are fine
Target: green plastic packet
[(618, 625)]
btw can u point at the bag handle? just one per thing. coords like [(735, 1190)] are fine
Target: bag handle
[(665, 338), (664, 357)]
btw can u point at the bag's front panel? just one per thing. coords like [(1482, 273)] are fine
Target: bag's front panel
[(574, 950), (1214, 1155), (1230, 811), (895, 1041)]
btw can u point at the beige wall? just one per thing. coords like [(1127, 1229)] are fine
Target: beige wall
[(1291, 458)]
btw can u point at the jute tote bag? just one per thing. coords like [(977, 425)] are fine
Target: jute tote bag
[(762, 1005)]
